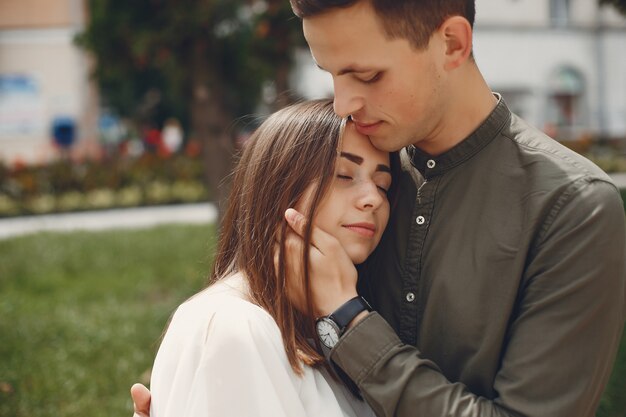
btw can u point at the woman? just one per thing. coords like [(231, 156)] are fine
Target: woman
[(241, 347)]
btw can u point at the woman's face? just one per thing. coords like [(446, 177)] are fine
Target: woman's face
[(355, 210)]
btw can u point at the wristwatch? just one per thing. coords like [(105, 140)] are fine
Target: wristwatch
[(330, 328)]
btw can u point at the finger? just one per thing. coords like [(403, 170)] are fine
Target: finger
[(141, 400), (276, 257), (293, 245), (320, 240), (293, 241), (296, 221)]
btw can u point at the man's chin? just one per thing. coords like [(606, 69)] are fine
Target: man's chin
[(383, 143)]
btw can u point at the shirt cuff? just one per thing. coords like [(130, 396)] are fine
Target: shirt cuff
[(362, 346)]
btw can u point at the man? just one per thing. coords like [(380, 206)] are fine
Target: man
[(502, 287)]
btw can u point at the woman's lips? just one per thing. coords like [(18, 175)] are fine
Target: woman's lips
[(363, 229)]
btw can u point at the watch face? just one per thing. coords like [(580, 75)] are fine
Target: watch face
[(327, 332)]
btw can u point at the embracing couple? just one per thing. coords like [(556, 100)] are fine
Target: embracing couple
[(411, 248)]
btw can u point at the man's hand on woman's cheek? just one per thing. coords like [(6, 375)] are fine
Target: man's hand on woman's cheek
[(332, 273)]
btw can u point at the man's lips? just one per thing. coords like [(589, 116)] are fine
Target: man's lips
[(363, 229), (366, 128)]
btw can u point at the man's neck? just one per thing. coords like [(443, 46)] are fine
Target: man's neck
[(471, 102)]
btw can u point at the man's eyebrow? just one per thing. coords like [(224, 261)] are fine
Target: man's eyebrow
[(359, 160)]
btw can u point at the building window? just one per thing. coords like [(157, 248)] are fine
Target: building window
[(560, 12), (566, 92)]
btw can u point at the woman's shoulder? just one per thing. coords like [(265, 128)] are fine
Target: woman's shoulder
[(225, 297), (224, 309)]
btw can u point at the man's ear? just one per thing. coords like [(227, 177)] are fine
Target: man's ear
[(457, 35)]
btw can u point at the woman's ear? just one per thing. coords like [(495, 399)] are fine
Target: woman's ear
[(457, 35)]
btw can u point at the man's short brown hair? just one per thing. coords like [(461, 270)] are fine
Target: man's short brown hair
[(414, 20)]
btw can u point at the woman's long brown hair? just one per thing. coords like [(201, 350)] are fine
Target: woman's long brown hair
[(294, 148)]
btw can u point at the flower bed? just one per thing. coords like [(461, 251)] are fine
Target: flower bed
[(65, 186)]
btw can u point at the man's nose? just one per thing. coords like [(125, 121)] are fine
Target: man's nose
[(347, 101)]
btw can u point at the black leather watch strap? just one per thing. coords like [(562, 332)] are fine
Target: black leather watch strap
[(348, 311)]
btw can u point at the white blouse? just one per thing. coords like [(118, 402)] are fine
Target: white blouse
[(224, 356)]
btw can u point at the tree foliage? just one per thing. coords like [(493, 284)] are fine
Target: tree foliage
[(620, 5), (203, 61), (145, 51)]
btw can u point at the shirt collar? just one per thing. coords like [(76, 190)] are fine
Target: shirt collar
[(431, 166)]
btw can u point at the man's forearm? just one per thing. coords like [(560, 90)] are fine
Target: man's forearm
[(396, 381)]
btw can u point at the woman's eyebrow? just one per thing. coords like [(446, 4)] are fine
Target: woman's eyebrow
[(352, 157), (383, 168), (359, 160)]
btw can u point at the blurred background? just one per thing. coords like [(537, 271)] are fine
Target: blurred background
[(109, 103), (113, 105)]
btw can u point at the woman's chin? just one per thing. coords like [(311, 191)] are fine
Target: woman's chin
[(358, 258)]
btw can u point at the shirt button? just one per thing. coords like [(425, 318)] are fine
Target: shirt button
[(410, 297), (420, 220), (431, 164)]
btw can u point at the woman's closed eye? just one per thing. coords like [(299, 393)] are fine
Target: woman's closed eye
[(383, 182), (383, 188)]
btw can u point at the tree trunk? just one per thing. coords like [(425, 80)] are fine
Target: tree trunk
[(281, 83), (210, 122)]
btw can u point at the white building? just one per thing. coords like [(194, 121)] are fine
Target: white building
[(44, 77), (560, 64)]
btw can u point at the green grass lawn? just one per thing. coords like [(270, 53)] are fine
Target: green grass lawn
[(81, 315)]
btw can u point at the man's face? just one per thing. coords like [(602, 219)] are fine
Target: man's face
[(393, 92)]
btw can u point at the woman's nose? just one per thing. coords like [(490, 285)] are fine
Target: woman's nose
[(370, 196)]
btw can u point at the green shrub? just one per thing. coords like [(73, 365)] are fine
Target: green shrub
[(121, 182)]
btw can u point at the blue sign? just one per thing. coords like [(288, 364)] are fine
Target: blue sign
[(64, 131)]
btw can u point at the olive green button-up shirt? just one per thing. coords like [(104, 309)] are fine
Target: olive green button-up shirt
[(500, 287)]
